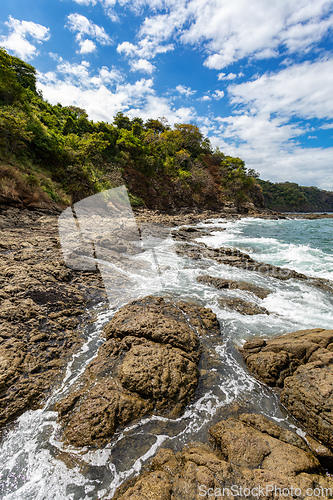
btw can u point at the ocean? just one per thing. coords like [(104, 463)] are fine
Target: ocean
[(35, 464)]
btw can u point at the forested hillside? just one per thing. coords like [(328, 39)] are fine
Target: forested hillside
[(55, 153), (290, 197)]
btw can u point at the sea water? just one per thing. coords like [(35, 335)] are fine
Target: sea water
[(34, 462)]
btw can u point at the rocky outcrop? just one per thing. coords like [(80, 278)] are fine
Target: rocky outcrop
[(236, 258), (42, 307), (242, 306), (148, 364), (300, 366), (224, 284), (250, 452)]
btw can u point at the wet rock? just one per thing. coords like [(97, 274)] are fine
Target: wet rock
[(42, 307), (222, 284), (300, 365), (242, 306), (249, 453), (149, 363), (189, 233), (244, 445), (236, 258)]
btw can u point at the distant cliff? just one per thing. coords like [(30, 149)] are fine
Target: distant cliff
[(290, 197)]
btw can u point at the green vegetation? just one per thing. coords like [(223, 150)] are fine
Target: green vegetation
[(54, 152), (290, 197)]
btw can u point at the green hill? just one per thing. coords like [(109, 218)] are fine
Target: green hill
[(290, 197), (54, 153)]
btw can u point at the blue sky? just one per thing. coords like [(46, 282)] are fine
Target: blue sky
[(255, 76)]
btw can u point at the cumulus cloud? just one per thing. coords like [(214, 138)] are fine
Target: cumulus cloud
[(142, 65), (229, 76), (304, 90), (23, 36), (87, 46), (218, 94), (86, 2), (145, 49), (231, 31), (106, 92), (84, 28), (187, 91), (268, 123)]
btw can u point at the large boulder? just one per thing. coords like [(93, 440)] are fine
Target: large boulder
[(252, 458), (300, 366), (148, 364)]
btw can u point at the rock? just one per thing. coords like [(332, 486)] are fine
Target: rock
[(242, 306), (149, 363), (242, 444), (222, 284), (34, 345), (300, 364), (189, 233), (249, 453), (236, 258)]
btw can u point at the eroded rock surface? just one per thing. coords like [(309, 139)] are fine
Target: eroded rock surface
[(236, 258), (242, 306), (225, 284), (149, 363), (249, 452), (42, 307), (300, 365)]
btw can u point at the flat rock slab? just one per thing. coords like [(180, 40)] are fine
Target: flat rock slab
[(249, 452), (148, 364), (43, 305), (236, 258), (242, 306), (300, 364), (225, 284)]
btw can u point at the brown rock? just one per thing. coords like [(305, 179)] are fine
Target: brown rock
[(149, 363), (250, 452), (301, 363), (242, 306), (222, 284), (34, 346), (236, 258)]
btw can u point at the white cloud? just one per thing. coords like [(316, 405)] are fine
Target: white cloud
[(87, 46), (86, 2), (326, 126), (230, 31), (304, 90), (17, 41), (187, 91), (142, 65), (83, 28), (234, 30), (105, 93), (205, 98), (145, 49), (264, 131), (229, 76), (218, 94)]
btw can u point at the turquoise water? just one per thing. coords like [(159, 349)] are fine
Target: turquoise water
[(302, 245), (36, 465)]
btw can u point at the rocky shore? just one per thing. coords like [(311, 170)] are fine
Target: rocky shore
[(155, 356), (249, 457), (43, 308)]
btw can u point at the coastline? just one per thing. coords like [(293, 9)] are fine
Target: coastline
[(45, 305)]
